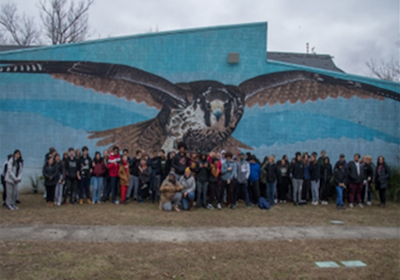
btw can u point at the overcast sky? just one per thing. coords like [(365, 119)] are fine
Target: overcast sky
[(352, 31)]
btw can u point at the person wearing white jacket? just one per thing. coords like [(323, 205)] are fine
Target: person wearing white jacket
[(12, 178)]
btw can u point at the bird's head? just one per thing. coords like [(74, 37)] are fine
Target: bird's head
[(217, 108)]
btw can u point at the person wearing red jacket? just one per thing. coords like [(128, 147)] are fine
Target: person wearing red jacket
[(113, 167)]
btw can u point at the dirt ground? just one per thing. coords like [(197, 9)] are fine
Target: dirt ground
[(222, 260), (33, 211)]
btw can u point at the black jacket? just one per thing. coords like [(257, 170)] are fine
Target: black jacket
[(85, 164), (133, 166), (272, 172), (179, 163), (326, 172), (51, 174), (155, 164), (71, 167), (382, 176), (315, 171), (354, 177), (298, 169), (339, 176), (202, 173)]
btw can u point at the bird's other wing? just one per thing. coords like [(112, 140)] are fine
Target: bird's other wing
[(302, 86), (116, 79), (148, 135)]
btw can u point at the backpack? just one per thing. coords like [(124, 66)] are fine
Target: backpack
[(263, 203)]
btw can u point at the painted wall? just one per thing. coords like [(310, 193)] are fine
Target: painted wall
[(38, 111)]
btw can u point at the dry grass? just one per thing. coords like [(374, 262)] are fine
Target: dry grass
[(223, 260), (33, 211)]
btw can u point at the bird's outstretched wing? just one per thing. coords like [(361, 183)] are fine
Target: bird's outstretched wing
[(303, 86), (116, 79)]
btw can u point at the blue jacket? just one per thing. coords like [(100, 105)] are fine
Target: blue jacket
[(255, 172), (226, 174)]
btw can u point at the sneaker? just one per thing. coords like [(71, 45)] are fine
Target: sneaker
[(210, 207), (10, 207), (116, 202), (15, 207), (276, 201), (17, 201), (248, 206), (360, 205), (141, 201), (369, 203), (326, 202), (88, 201), (284, 201), (280, 201), (80, 201), (233, 206), (351, 205), (219, 206)]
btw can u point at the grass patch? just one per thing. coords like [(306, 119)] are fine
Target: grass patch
[(222, 260), (33, 211)]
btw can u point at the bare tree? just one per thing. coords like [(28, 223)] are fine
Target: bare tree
[(65, 24), (385, 70), (22, 30)]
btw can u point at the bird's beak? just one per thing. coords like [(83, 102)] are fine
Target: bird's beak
[(217, 109)]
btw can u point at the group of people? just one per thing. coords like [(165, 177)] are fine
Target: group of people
[(200, 179)]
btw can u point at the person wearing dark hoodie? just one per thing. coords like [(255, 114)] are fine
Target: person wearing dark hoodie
[(315, 173), (155, 163), (228, 171), (355, 172), (242, 177), (271, 178), (189, 187), (283, 179), (326, 175), (213, 180), (297, 178), (134, 163), (71, 169), (51, 175), (202, 170), (306, 179), (180, 161), (339, 179), (144, 178), (84, 173), (382, 179)]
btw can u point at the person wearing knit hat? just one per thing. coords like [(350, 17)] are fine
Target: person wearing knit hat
[(188, 192)]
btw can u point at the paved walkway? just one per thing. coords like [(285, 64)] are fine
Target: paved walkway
[(169, 234)]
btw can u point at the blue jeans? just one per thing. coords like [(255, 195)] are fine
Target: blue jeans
[(97, 182), (113, 183), (271, 193), (185, 200), (339, 198)]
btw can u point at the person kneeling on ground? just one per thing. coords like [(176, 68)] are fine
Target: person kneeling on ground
[(189, 186), (170, 193)]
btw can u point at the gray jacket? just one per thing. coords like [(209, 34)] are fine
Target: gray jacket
[(228, 174), (188, 184), (11, 175), (242, 171)]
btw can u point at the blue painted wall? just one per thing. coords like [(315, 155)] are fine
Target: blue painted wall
[(37, 111)]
